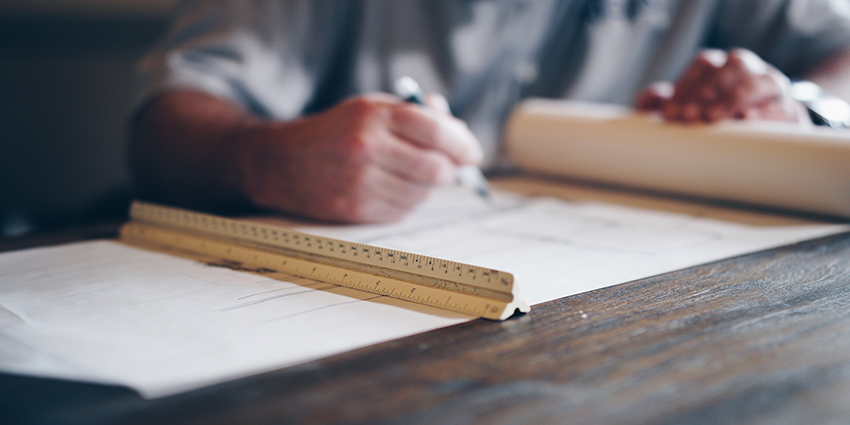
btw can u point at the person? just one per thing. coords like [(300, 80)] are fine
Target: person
[(283, 105)]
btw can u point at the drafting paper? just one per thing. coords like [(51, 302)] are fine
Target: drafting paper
[(107, 312), (110, 313), (773, 164), (557, 247)]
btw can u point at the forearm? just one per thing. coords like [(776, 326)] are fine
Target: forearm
[(189, 148), (369, 158)]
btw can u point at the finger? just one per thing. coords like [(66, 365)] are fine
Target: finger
[(726, 84), (745, 82), (654, 96), (413, 163), (694, 87), (386, 197), (736, 81), (434, 130), (398, 192), (748, 60), (787, 110), (751, 113), (704, 65), (438, 102)]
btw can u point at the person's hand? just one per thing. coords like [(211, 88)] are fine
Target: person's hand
[(371, 158), (721, 86)]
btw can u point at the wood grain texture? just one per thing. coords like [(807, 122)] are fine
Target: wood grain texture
[(762, 338)]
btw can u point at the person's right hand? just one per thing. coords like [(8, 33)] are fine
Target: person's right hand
[(371, 158)]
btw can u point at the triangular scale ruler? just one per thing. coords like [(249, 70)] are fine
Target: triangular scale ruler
[(448, 285)]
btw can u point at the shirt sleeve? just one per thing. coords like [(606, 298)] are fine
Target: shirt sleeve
[(265, 56), (793, 35)]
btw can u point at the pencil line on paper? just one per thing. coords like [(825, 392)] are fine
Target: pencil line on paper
[(322, 308), (308, 285), (274, 297)]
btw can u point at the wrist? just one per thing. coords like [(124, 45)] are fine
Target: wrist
[(263, 165), (187, 149)]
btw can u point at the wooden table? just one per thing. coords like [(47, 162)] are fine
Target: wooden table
[(759, 339)]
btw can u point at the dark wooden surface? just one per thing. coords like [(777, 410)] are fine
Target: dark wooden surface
[(758, 339)]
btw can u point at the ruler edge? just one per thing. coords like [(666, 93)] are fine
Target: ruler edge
[(516, 303), (137, 205), (132, 233)]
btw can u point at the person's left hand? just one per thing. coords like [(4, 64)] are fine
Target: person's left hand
[(721, 85)]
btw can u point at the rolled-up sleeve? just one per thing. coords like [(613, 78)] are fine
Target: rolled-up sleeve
[(265, 56)]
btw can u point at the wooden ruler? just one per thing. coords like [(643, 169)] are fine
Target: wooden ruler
[(448, 285)]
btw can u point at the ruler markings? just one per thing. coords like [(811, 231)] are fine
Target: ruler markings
[(260, 233), (440, 283)]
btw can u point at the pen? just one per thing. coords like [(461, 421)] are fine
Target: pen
[(468, 176)]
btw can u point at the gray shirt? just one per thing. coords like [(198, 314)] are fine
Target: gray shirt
[(283, 59)]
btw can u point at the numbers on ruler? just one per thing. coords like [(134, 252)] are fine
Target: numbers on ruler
[(366, 254), (268, 263)]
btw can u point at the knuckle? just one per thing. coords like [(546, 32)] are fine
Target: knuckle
[(710, 58), (361, 147), (766, 82), (360, 104), (702, 61), (740, 53), (736, 62), (748, 62), (364, 109)]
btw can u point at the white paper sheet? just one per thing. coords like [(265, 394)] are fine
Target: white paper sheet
[(106, 312), (556, 248)]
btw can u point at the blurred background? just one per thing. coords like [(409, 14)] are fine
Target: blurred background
[(66, 88)]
